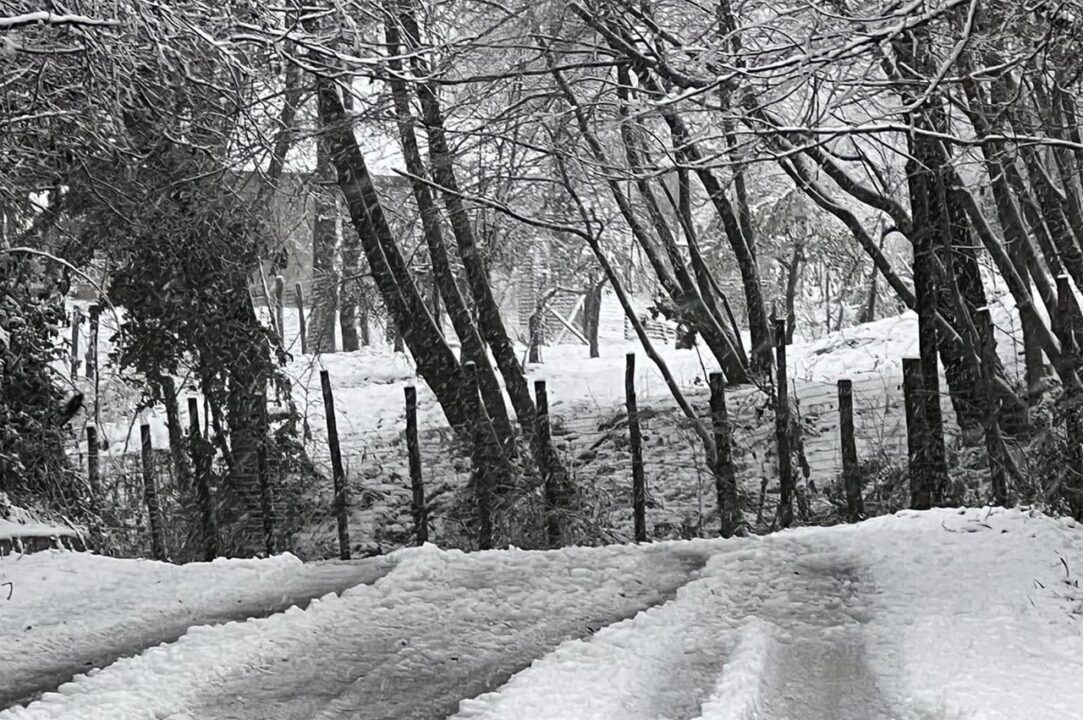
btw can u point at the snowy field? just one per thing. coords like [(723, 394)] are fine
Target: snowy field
[(945, 614)]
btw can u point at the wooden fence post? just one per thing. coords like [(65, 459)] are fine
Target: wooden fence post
[(1065, 326), (553, 477), (725, 478), (91, 361), (417, 483), (201, 464), (280, 309), (150, 495), (299, 297), (534, 330), (92, 467), (76, 321), (341, 493), (917, 435), (481, 460), (635, 438), (94, 480), (851, 474), (782, 429)]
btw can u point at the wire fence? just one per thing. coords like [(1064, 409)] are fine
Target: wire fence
[(592, 441)]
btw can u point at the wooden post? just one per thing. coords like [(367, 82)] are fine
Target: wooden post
[(729, 511), (299, 297), (551, 475), (917, 435), (92, 469), (150, 495), (534, 326), (91, 362), (782, 428), (635, 438), (417, 484), (1064, 324), (280, 309), (851, 475), (341, 493), (201, 464), (76, 321), (994, 441), (94, 482), (483, 464)]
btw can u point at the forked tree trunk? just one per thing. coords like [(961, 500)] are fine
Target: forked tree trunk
[(489, 321), (473, 347)]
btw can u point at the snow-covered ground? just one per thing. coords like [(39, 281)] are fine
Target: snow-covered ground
[(24, 531), (942, 614), (63, 612)]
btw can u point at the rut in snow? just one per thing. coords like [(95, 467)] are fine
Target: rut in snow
[(773, 630), (27, 683), (443, 638)]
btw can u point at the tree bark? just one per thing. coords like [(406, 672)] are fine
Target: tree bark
[(321, 326), (592, 312)]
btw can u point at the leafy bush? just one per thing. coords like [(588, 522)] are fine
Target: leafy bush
[(32, 426)]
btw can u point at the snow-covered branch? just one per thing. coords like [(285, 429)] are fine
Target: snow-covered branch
[(51, 18)]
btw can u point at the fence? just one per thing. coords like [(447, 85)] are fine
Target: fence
[(637, 471), (397, 485)]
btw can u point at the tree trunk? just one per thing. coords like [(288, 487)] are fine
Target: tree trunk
[(435, 360), (925, 291), (350, 297), (321, 326), (473, 347), (490, 324), (592, 314), (246, 413)]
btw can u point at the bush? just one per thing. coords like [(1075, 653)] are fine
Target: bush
[(32, 425)]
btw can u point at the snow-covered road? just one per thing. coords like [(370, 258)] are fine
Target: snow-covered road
[(942, 615), (453, 631), (71, 612)]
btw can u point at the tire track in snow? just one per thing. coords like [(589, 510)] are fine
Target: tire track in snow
[(771, 631), (819, 669), (331, 577), (453, 637)]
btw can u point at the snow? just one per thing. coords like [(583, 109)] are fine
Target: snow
[(69, 611), (938, 614), (13, 530), (18, 524)]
